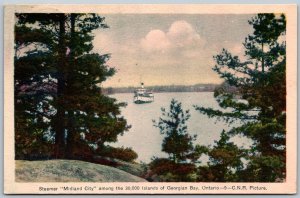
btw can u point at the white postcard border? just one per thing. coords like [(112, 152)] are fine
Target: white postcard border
[(288, 187)]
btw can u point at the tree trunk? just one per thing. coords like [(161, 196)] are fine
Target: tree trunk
[(70, 136), (60, 115), (71, 120)]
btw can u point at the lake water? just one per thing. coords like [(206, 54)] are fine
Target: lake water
[(146, 139)]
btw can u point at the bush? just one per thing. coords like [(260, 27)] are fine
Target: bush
[(125, 154), (162, 166), (32, 147), (81, 152), (165, 170)]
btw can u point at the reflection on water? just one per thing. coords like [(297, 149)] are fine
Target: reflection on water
[(146, 139)]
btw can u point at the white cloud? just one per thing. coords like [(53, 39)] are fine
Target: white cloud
[(155, 40), (177, 55), (181, 34)]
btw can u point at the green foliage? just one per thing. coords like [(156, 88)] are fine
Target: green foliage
[(177, 142), (58, 100), (263, 168), (258, 97), (224, 161), (166, 170), (125, 154)]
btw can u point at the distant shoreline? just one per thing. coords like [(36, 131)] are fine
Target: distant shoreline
[(159, 92), (163, 88)]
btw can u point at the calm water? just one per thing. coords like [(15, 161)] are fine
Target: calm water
[(146, 139)]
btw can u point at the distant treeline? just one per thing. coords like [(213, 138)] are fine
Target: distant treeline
[(164, 88)]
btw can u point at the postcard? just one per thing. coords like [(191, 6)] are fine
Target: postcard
[(150, 99)]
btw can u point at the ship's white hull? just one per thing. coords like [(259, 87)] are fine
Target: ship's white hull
[(143, 99), (141, 95)]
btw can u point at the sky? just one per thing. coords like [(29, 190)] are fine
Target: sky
[(168, 49)]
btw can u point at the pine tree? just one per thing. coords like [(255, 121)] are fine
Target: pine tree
[(33, 86), (224, 161), (177, 142), (58, 77), (259, 99)]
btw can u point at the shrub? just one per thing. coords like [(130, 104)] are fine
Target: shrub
[(163, 169), (125, 154)]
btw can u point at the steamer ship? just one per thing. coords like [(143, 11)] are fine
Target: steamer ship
[(142, 95)]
